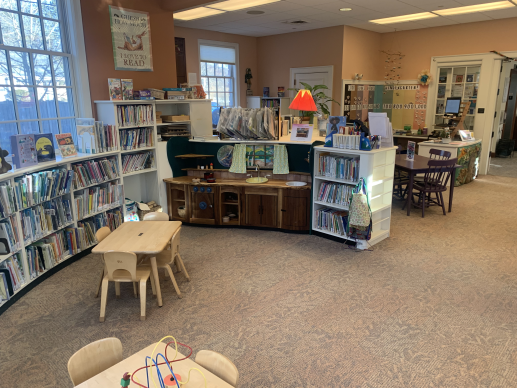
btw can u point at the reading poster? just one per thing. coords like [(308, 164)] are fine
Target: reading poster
[(131, 38)]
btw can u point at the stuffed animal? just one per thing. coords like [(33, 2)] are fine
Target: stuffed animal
[(4, 166)]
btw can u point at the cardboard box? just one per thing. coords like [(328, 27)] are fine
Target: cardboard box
[(175, 119)]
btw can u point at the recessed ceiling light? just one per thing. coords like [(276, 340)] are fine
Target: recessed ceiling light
[(405, 18), (257, 12), (196, 13), (233, 5), (345, 9), (475, 8)]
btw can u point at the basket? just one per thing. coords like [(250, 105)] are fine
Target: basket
[(153, 207)]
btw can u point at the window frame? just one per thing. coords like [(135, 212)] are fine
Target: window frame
[(235, 46)]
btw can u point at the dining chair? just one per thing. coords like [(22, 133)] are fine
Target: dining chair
[(156, 216), (219, 365), (121, 267), (401, 179), (100, 235), (434, 182), (93, 359)]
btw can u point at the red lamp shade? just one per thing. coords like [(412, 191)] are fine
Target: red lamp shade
[(304, 102)]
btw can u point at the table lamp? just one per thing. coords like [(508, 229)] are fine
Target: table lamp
[(303, 102)]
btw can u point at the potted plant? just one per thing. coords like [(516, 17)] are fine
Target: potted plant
[(321, 100), (445, 135)]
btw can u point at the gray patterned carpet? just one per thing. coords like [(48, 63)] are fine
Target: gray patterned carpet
[(506, 167), (433, 306)]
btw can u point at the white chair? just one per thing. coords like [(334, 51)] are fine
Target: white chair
[(219, 365), (122, 267), (93, 359)]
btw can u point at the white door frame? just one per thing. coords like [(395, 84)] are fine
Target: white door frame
[(488, 85), (314, 69)]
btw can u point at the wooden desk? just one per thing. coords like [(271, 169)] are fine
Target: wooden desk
[(111, 377), (418, 166), (144, 238)]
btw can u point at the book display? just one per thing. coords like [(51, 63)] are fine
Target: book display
[(66, 144)]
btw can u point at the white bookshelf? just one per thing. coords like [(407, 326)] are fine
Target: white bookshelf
[(257, 102), (377, 168)]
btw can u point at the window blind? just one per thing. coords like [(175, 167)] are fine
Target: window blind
[(217, 54)]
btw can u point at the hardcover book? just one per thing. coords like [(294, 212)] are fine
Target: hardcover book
[(115, 89), (24, 150), (45, 147), (265, 92), (281, 91), (127, 89), (66, 144)]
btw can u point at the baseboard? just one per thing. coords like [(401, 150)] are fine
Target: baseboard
[(247, 227)]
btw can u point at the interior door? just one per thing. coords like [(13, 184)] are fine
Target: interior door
[(511, 108), (319, 75)]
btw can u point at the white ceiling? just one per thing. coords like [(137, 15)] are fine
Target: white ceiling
[(325, 13)]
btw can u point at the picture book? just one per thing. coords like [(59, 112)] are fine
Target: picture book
[(115, 89), (45, 147), (4, 292), (281, 91), (301, 132), (127, 89), (265, 92), (459, 78), (335, 123), (66, 144), (24, 152), (86, 137)]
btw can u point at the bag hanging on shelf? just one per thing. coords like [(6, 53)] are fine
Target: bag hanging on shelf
[(360, 216)]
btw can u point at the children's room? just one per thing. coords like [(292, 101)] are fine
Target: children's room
[(258, 193)]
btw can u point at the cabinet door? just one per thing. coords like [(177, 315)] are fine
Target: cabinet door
[(295, 210), (253, 209), (269, 211)]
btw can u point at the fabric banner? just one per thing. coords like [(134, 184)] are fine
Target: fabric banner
[(131, 38)]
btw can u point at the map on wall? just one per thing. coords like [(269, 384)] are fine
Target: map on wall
[(404, 104), (131, 39)]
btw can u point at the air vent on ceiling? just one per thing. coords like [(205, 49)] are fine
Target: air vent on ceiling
[(298, 22), (255, 12)]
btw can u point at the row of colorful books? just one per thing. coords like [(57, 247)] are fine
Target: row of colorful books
[(339, 167), (7, 200), (9, 236), (332, 220), (337, 193), (92, 172), (12, 277), (134, 115), (36, 188), (132, 139), (137, 162), (114, 219), (97, 199), (43, 219)]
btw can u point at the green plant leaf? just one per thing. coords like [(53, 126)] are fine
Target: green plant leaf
[(316, 87), (307, 86)]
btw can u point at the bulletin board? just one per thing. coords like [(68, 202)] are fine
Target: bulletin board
[(405, 104)]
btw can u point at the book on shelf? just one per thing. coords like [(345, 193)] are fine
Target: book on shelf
[(32, 189), (137, 162), (7, 200), (105, 137), (97, 199), (134, 115), (4, 288), (339, 167), (132, 139), (332, 220), (127, 89), (93, 172), (45, 218), (13, 270), (115, 89), (23, 150), (335, 193), (9, 236), (114, 219), (45, 147)]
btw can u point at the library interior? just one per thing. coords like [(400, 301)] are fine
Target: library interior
[(327, 185)]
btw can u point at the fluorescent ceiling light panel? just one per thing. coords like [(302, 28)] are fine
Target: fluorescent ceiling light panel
[(405, 18), (475, 8), (233, 5), (196, 13)]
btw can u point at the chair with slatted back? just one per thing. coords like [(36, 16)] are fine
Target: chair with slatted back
[(219, 365), (400, 180), (434, 182), (93, 359)]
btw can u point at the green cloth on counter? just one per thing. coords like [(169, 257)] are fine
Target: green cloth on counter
[(239, 159), (280, 163)]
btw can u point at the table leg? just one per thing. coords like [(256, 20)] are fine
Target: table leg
[(451, 193), (156, 281), (410, 193)]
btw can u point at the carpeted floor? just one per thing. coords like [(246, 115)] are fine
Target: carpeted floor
[(506, 167), (435, 305)]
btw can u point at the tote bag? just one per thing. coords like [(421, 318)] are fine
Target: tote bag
[(359, 214)]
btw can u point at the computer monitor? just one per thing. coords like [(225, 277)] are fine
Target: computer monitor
[(452, 106)]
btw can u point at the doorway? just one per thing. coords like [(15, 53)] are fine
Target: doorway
[(317, 75)]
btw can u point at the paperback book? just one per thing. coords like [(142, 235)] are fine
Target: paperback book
[(45, 147), (134, 115), (66, 144), (23, 148), (137, 162), (93, 172), (127, 89), (115, 89)]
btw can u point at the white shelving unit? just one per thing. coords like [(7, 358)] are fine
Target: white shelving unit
[(60, 163), (377, 168), (258, 102)]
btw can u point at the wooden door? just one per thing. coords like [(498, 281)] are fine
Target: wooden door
[(253, 209), (269, 211), (295, 209), (181, 61)]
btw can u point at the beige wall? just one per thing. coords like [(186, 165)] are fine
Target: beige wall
[(470, 38), (247, 52), (277, 54), (362, 54)]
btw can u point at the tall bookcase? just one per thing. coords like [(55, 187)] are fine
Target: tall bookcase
[(377, 168)]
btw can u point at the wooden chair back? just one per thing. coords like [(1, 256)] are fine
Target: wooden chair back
[(439, 154), (439, 173), (175, 243), (156, 216), (93, 359), (121, 266), (102, 233), (219, 365)]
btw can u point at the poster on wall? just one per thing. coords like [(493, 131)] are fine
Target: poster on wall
[(131, 39)]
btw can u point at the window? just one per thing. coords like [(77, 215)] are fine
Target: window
[(36, 88), (261, 155), (219, 73)]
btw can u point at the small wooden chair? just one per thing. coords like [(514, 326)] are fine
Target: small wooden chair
[(219, 365), (121, 267), (93, 359), (156, 216), (101, 234)]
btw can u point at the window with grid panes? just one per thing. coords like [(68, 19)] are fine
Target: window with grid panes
[(36, 88), (218, 80)]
